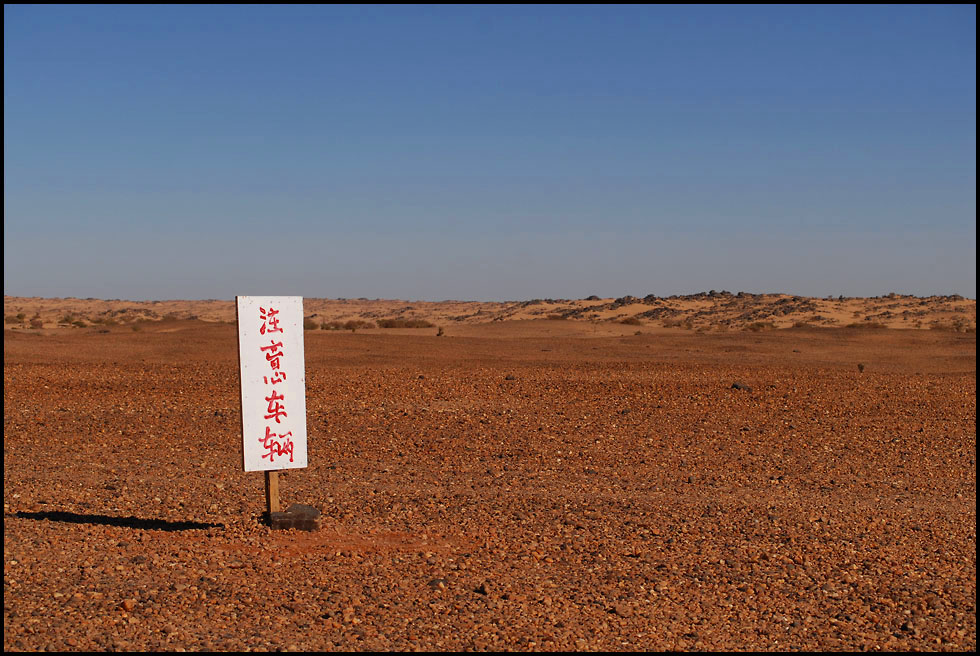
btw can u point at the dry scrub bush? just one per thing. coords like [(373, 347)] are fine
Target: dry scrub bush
[(957, 324), (351, 325), (309, 324), (757, 326), (631, 321), (868, 325), (405, 323), (354, 324)]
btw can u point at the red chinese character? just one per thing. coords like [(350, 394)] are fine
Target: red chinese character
[(270, 322), (276, 410), (277, 378), (275, 447), (273, 354)]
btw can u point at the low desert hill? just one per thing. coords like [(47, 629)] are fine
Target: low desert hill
[(705, 311)]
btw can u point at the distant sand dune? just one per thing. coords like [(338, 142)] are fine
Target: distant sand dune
[(704, 311)]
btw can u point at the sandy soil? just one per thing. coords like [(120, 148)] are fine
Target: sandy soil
[(502, 487), (706, 311)]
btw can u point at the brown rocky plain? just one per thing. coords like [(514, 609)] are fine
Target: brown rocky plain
[(521, 484)]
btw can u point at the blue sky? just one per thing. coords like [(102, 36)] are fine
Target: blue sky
[(488, 153)]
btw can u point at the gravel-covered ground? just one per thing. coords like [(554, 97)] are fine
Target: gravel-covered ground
[(521, 492)]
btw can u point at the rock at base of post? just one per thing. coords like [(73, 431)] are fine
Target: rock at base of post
[(298, 516)]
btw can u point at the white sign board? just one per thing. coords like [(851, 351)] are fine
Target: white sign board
[(273, 376)]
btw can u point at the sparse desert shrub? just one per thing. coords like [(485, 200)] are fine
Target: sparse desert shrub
[(440, 333), (962, 325), (354, 324), (757, 326), (11, 319), (21, 316), (860, 368), (801, 324), (309, 324), (868, 325), (958, 325), (37, 323), (78, 323), (557, 317), (631, 321), (593, 298), (404, 323), (672, 323), (137, 327)]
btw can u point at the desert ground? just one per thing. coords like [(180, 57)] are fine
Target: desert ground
[(518, 483)]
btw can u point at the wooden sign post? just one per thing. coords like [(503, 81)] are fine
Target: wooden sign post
[(273, 396), (271, 492)]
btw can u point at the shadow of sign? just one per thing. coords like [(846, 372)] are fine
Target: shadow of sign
[(107, 520)]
